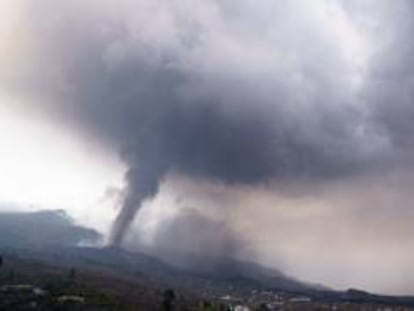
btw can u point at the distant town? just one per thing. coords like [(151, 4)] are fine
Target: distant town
[(32, 285)]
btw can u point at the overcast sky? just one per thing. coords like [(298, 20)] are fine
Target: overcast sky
[(277, 131)]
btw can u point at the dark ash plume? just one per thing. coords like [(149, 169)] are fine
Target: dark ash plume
[(175, 94), (142, 184)]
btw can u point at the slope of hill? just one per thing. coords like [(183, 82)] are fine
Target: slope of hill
[(51, 237), (55, 249), (33, 229)]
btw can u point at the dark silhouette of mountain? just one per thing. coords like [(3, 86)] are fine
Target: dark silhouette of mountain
[(243, 276), (52, 239), (30, 229), (238, 278)]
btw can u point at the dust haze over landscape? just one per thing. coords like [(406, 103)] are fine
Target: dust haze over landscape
[(274, 131)]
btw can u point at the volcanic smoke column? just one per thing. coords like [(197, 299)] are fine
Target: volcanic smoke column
[(143, 183), (240, 149), (208, 101)]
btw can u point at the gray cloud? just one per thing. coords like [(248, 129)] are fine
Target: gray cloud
[(390, 80), (210, 90)]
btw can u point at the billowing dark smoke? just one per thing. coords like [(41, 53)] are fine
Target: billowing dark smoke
[(191, 240), (202, 141), (142, 184), (172, 92)]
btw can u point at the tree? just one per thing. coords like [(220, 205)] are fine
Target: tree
[(168, 300)]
